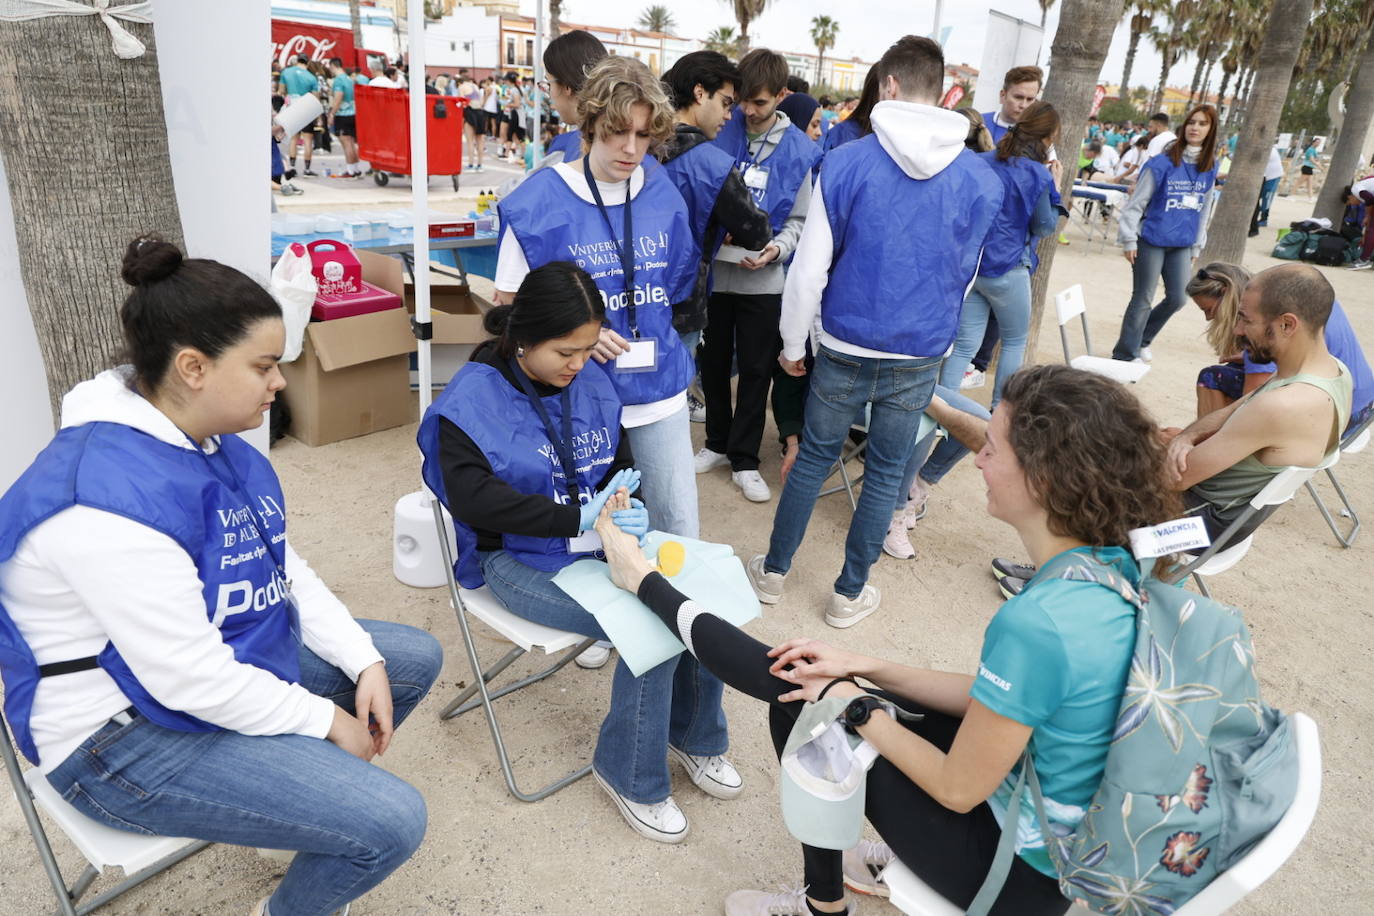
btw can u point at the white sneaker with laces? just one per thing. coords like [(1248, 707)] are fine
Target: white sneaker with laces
[(1146, 354), (973, 378), (767, 585), (662, 821), (863, 867), (897, 544), (706, 459), (754, 486), (845, 612), (594, 656), (916, 501), (696, 410), (715, 776), (790, 901)]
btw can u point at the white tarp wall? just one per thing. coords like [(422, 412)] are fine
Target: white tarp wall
[(218, 131), (1010, 43)]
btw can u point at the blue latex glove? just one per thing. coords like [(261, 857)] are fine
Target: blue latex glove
[(591, 510), (633, 521)]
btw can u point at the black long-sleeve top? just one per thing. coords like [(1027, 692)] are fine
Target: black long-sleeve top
[(489, 505)]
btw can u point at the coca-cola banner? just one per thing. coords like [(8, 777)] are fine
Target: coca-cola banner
[(1099, 94), (953, 97), (318, 42)]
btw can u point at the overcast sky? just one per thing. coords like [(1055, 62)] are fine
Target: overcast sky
[(869, 26)]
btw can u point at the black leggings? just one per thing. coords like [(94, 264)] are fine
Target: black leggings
[(949, 851)]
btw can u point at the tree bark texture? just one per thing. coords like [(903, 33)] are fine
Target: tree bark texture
[(1130, 60), (356, 20), (1080, 46), (84, 142), (1283, 34), (1346, 156)]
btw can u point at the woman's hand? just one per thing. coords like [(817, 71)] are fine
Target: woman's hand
[(633, 520), (609, 346), (372, 699), (626, 560), (767, 256), (351, 734), (789, 457), (626, 479), (813, 665)]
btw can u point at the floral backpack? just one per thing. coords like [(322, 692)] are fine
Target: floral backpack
[(1199, 768)]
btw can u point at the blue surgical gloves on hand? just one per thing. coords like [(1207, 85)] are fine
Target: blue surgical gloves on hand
[(591, 510), (633, 521)]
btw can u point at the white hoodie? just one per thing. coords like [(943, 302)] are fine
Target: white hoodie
[(85, 577), (923, 140)]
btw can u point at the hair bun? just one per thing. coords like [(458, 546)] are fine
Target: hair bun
[(149, 259), (497, 320)]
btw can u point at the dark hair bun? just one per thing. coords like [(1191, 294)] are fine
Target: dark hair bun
[(149, 259), (497, 320)]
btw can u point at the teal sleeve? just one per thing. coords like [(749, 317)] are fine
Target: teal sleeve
[(1023, 672)]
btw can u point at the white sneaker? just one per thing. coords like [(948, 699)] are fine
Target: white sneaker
[(767, 585), (845, 612), (594, 656), (863, 867), (897, 544), (1359, 265), (663, 821), (696, 410), (754, 487), (715, 776), (916, 501), (1146, 355), (706, 459), (973, 378), (786, 902)]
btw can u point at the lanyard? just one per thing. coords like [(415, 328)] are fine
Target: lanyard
[(562, 444), (625, 250)]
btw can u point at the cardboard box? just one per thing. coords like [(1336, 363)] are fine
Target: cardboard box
[(351, 378), (458, 313)]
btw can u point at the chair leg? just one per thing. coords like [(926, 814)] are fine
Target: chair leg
[(847, 483), (133, 880), (1345, 539), (1201, 586), (65, 906), (459, 706)]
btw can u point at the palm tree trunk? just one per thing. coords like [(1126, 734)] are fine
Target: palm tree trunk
[(62, 90), (555, 18), (355, 17), (1202, 55), (1221, 93), (1080, 46), (1242, 105), (1287, 22), (1130, 63), (1206, 82), (1346, 155), (820, 64)]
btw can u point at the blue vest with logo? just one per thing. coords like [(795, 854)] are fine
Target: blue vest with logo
[(552, 223), (699, 174), (505, 426), (1170, 221), (788, 165), (569, 143), (997, 130), (905, 249), (1023, 181), (839, 135), (217, 507)]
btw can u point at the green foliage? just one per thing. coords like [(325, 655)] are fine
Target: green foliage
[(657, 18), (1305, 108), (1117, 110), (724, 41)]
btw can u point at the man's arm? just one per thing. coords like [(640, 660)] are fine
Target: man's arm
[(1268, 421), (335, 101), (968, 430), (801, 295)]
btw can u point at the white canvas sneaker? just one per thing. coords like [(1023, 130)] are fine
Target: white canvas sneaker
[(1146, 354), (594, 656), (754, 486), (715, 776), (845, 612), (706, 459), (663, 821)]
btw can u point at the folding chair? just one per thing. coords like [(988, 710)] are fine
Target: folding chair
[(1069, 305), (912, 896), (855, 449), (139, 857), (1355, 441), (526, 635)]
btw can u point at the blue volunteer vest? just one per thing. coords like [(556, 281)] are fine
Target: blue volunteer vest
[(788, 165), (699, 174), (839, 135), (218, 508), (1168, 221), (551, 223), (504, 425), (997, 130), (1023, 181), (905, 249), (569, 143)]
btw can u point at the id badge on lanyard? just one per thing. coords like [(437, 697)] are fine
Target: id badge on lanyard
[(643, 353)]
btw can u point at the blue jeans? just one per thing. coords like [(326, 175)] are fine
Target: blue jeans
[(946, 454), (351, 823), (676, 703), (841, 385), (1008, 298), (1141, 323), (663, 455)]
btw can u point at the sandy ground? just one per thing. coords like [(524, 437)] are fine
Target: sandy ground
[(487, 853)]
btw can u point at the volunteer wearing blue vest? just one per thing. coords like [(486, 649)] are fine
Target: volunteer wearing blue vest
[(1072, 462), (701, 86), (1020, 86), (566, 61), (1164, 228), (857, 124), (525, 445), (629, 229), (775, 160), (884, 330), (171, 665)]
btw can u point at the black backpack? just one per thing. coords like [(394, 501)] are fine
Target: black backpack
[(1330, 250)]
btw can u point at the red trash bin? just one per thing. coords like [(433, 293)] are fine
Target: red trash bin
[(383, 122)]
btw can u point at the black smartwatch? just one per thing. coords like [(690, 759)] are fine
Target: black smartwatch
[(859, 710)]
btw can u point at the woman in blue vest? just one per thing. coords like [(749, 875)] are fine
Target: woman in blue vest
[(1164, 229), (524, 446), (1002, 286), (629, 230), (566, 61), (171, 665)]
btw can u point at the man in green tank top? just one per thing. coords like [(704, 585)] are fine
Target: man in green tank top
[(1225, 458)]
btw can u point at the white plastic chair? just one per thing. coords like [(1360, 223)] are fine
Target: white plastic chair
[(139, 857), (1069, 305), (526, 636), (912, 896), (1356, 441)]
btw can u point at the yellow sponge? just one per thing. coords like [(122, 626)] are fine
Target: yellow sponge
[(671, 555)]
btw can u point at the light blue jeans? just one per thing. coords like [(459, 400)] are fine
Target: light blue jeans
[(1140, 323), (350, 823), (1007, 297), (677, 702), (663, 455), (946, 454), (841, 385)]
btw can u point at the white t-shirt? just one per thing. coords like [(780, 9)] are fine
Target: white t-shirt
[(1364, 184), (1107, 160), (382, 82), (1159, 142), (1274, 168), (1131, 157), (511, 268)]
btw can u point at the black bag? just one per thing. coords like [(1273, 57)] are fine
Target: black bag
[(1330, 251)]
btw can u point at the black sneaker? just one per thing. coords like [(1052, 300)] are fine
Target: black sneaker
[(310, 173), (1001, 566), (1011, 586)]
